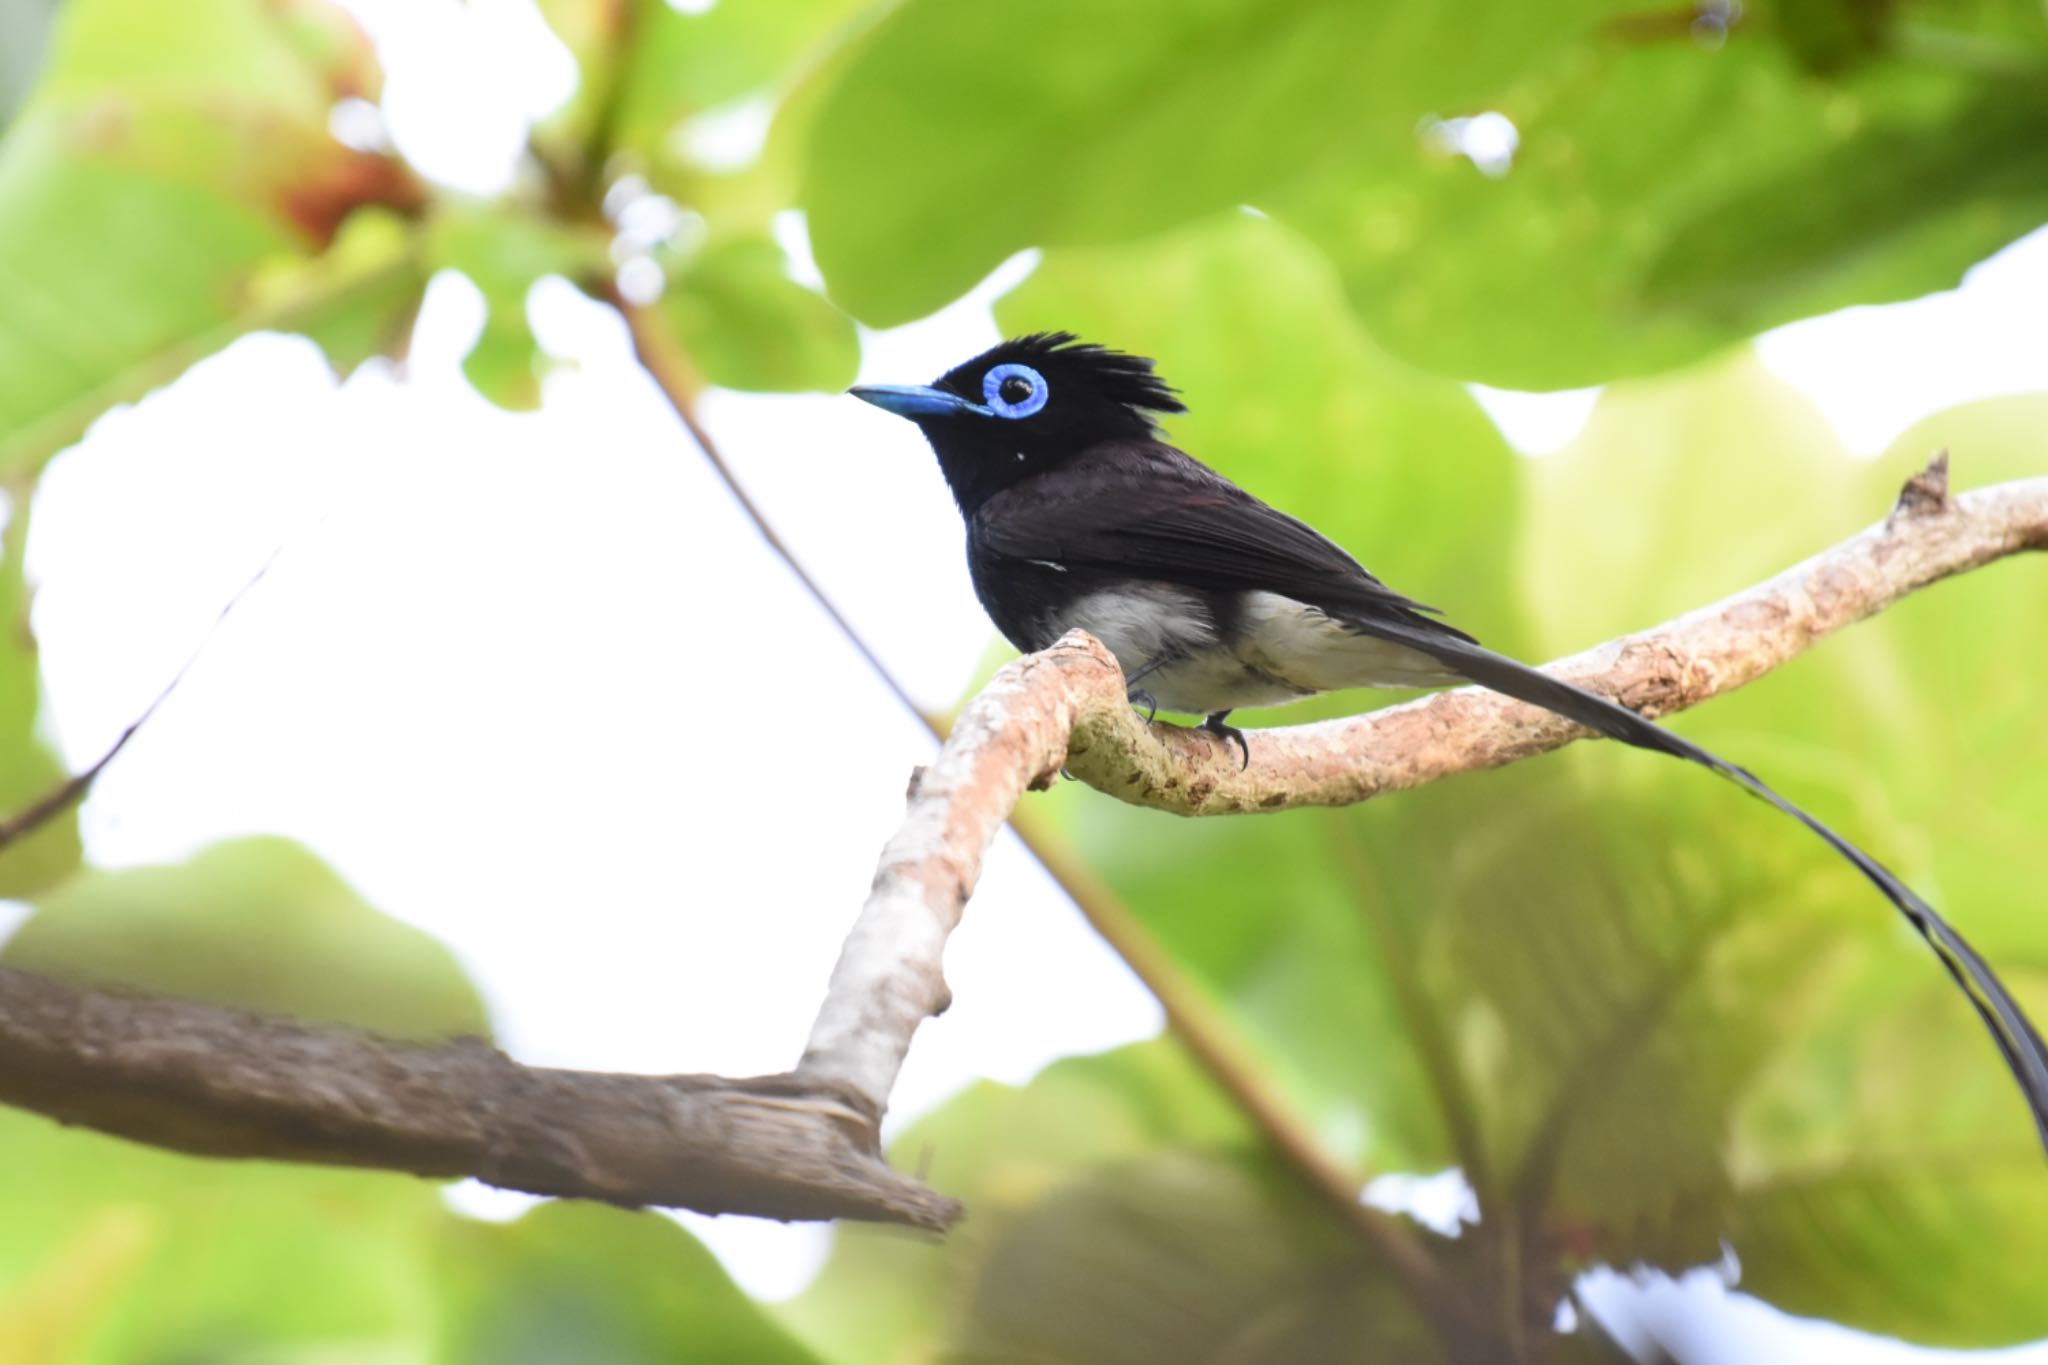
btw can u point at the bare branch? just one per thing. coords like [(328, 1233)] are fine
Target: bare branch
[(220, 1082), (1667, 668)]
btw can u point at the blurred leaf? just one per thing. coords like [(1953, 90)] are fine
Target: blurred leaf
[(256, 923), (596, 1286), (118, 1254), (356, 300), (648, 69), (1877, 1155), (747, 325), (1667, 199), (506, 365), (171, 156), (953, 138), (1970, 668), (684, 64), (1630, 524), (29, 768), (123, 1255), (1184, 1257), (504, 252), (1003, 1149)]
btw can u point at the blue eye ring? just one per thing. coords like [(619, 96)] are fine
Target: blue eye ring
[(992, 391)]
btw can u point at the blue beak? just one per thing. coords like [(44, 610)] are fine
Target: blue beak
[(916, 400)]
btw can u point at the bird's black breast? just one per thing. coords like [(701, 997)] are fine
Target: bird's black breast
[(1025, 597)]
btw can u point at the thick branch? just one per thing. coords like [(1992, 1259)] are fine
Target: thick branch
[(220, 1082), (1667, 668)]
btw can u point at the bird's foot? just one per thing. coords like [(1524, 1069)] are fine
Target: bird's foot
[(1229, 734), (1138, 696)]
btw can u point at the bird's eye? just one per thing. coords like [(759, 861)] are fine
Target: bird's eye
[(1014, 390)]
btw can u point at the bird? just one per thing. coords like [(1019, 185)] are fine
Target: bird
[(1080, 514)]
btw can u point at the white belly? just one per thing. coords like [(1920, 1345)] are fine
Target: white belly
[(1283, 650)]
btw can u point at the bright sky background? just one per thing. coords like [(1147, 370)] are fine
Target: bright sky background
[(532, 684)]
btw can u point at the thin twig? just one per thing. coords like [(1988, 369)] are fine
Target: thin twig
[(666, 363), (54, 802)]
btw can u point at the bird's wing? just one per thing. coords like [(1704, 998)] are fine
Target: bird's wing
[(1154, 513)]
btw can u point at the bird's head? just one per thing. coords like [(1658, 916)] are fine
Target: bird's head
[(1025, 406)]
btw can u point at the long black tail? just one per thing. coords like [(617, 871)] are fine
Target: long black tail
[(2015, 1036)]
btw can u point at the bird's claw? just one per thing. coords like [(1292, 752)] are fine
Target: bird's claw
[(1138, 696), (1230, 734)]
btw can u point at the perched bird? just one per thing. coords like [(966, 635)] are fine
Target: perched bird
[(1079, 515)]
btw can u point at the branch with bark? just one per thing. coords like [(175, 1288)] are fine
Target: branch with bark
[(806, 1144)]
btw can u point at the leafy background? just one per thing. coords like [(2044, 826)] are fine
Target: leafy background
[(1647, 1026)]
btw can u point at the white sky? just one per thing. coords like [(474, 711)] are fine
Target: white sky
[(531, 683)]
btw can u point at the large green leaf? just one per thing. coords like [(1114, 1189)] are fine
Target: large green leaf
[(961, 133), (1118, 1213), (29, 769), (747, 325), (116, 1254), (595, 1286), (1181, 1257), (173, 160), (1878, 1155), (258, 923), (1667, 199)]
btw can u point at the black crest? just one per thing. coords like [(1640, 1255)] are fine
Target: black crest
[(1125, 379)]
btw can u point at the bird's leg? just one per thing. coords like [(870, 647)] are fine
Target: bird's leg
[(1138, 696), (1229, 734)]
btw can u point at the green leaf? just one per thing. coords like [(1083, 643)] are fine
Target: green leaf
[(1629, 525), (505, 251), (747, 325), (1003, 1149), (1184, 1257), (960, 133), (114, 1253), (29, 768), (256, 923), (685, 64), (1877, 1135), (597, 1286), (170, 160), (1667, 199)]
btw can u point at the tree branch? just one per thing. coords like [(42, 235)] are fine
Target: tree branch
[(1667, 668), (225, 1083)]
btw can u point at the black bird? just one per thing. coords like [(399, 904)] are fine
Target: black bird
[(1079, 515)]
